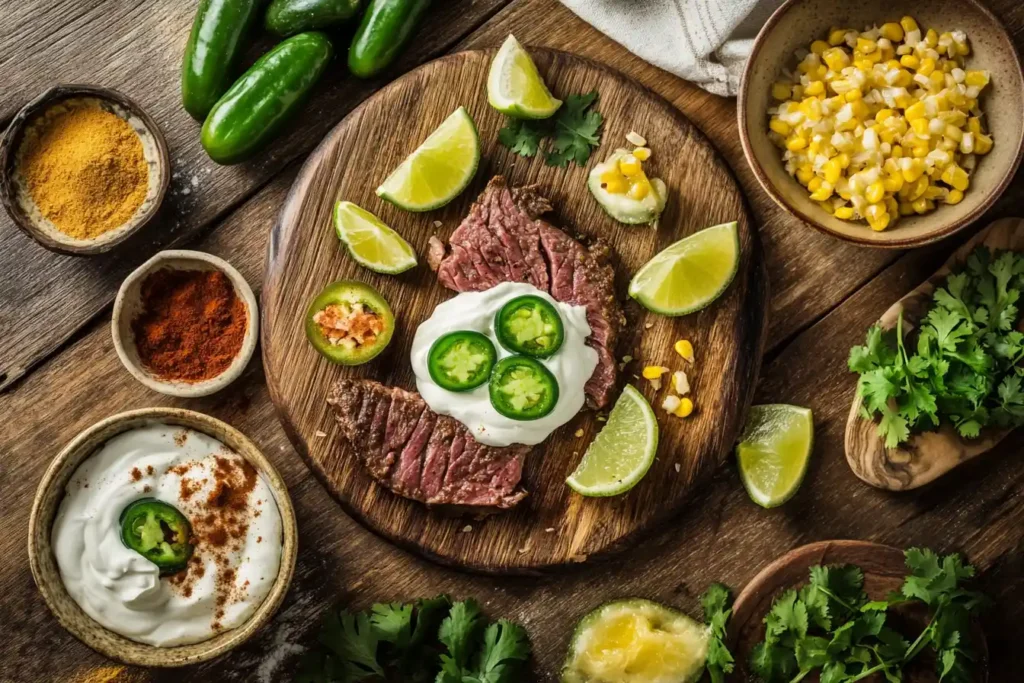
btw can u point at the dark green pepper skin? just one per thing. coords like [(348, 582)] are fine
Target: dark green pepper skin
[(447, 343), (543, 347), (159, 532), (386, 27), (288, 17), (506, 370), (252, 111), (218, 36)]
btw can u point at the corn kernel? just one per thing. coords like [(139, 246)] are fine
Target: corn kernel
[(685, 408), (685, 349), (893, 183), (781, 91), (982, 144), (814, 184), (796, 144), (653, 371), (879, 222), (910, 61), (931, 37), (956, 177), (805, 173), (680, 383), (671, 403), (836, 58), (974, 125), (954, 197), (875, 192), (853, 95), (892, 31), (844, 212), (615, 185), (917, 189), (819, 46), (832, 170), (923, 205), (915, 111), (920, 127), (908, 24), (815, 88), (639, 190), (823, 192), (644, 153), (866, 46), (837, 36), (927, 66), (629, 166)]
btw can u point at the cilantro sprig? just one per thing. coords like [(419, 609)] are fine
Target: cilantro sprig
[(573, 132), (717, 605), (830, 627), (964, 367), (429, 641)]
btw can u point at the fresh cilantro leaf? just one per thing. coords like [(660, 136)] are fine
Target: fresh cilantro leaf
[(577, 131), (811, 653), (392, 622), (523, 137), (353, 640), (787, 621), (717, 605), (460, 632), (773, 663), (506, 647)]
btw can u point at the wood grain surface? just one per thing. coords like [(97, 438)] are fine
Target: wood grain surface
[(884, 569), (554, 526), (927, 455), (824, 296)]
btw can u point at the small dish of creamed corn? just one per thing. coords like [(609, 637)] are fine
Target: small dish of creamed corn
[(882, 123)]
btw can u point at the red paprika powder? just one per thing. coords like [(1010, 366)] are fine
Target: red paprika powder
[(191, 326)]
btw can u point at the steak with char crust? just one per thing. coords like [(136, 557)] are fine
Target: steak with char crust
[(503, 239), (421, 455)]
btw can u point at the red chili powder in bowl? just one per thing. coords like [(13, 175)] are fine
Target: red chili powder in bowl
[(191, 326)]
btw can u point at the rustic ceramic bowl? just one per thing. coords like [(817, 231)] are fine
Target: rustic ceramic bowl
[(128, 304), (798, 22), (44, 565), (14, 193)]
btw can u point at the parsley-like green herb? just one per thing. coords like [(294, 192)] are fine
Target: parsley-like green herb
[(717, 605), (830, 627), (573, 133), (963, 368), (429, 641)]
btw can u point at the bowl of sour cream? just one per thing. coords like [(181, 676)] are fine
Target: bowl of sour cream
[(162, 537)]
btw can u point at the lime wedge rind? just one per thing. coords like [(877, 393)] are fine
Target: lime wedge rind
[(515, 87), (617, 459), (439, 169), (370, 242), (774, 451), (690, 274)]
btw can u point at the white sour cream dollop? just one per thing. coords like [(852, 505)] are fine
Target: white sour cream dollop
[(121, 589), (572, 365)]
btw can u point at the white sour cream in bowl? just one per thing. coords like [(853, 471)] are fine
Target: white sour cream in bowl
[(572, 365), (236, 533)]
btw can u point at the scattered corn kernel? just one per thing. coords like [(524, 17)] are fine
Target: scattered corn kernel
[(671, 403), (680, 383), (636, 139), (643, 153), (654, 371), (685, 349), (685, 408)]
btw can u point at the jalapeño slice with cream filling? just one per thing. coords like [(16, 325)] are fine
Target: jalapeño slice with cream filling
[(349, 323), (522, 388), (159, 532), (460, 361), (529, 325)]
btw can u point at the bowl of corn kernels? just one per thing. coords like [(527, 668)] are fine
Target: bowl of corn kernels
[(882, 122)]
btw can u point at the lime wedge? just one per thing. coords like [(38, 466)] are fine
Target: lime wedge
[(623, 450), (515, 88), (439, 169), (370, 242), (690, 274), (773, 452)]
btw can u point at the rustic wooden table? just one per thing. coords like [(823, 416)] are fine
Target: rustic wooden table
[(59, 373)]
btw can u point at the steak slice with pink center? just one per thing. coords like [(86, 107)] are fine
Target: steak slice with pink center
[(503, 239)]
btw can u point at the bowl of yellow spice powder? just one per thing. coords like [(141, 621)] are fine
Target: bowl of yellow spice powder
[(82, 168)]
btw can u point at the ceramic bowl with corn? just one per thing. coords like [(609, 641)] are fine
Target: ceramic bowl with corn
[(882, 127)]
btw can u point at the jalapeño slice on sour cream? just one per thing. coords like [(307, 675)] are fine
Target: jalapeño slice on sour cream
[(462, 360), (522, 388), (159, 532), (529, 325)]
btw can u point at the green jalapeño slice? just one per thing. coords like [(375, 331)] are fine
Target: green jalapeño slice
[(529, 325), (460, 361), (522, 388), (158, 532)]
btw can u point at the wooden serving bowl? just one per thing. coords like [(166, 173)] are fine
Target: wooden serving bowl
[(798, 22), (44, 565), (13, 190), (884, 570)]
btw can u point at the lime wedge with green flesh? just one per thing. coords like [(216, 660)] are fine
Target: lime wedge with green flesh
[(774, 451), (439, 169), (370, 241), (515, 87), (623, 450), (690, 274)]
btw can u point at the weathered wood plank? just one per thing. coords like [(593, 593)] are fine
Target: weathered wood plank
[(136, 48)]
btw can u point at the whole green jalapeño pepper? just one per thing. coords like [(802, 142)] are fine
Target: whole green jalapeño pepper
[(529, 325), (522, 388), (159, 532), (460, 361), (386, 27), (288, 17)]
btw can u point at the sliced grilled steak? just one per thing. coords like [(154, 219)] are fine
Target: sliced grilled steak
[(503, 239), (419, 454)]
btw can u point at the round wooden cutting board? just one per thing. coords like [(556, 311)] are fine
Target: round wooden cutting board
[(553, 526)]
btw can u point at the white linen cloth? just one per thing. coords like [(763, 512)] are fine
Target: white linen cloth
[(703, 41)]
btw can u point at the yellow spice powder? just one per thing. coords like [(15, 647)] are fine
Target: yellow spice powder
[(86, 171)]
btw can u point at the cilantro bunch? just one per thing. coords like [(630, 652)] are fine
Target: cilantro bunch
[(429, 641), (830, 627), (964, 369), (573, 132)]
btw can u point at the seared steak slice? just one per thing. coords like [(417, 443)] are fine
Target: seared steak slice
[(503, 240), (419, 454)]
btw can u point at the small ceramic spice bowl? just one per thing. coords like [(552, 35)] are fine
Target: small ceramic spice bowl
[(129, 305), (799, 22), (27, 127), (43, 561)]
